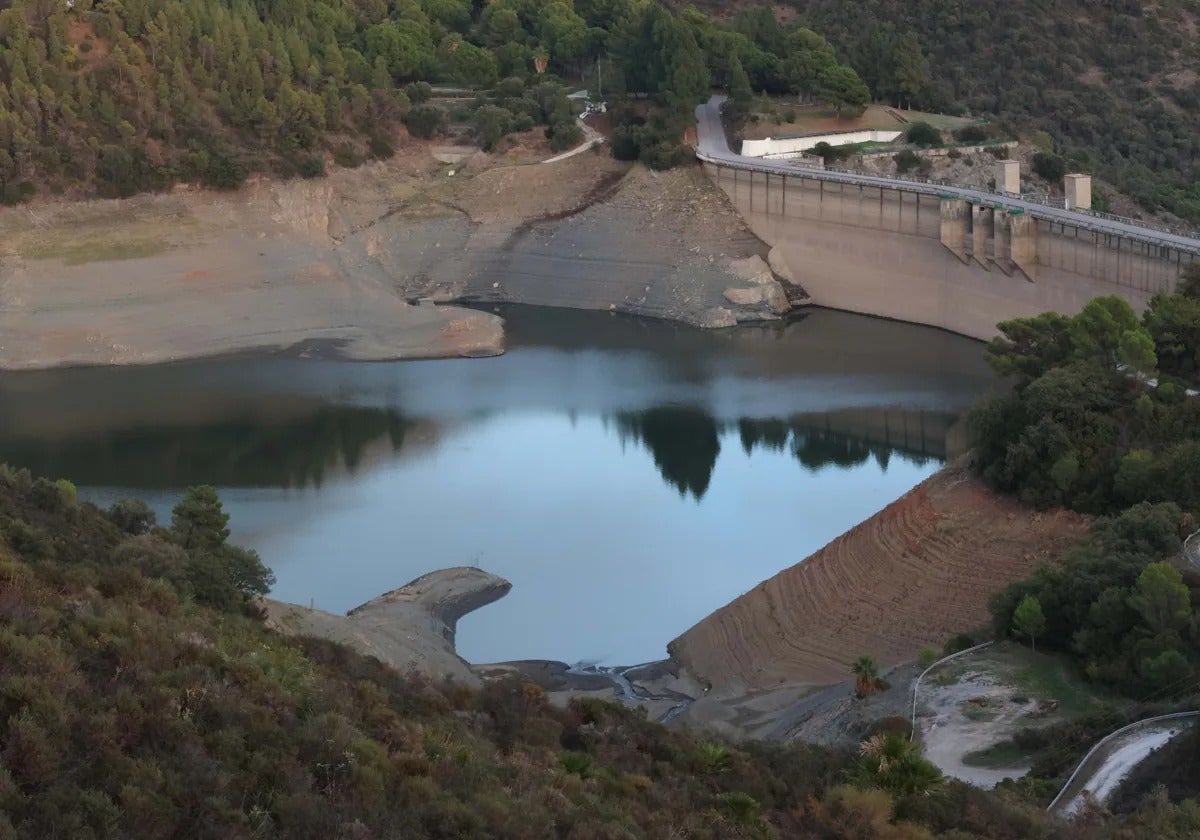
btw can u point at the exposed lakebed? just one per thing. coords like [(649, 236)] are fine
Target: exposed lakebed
[(628, 476)]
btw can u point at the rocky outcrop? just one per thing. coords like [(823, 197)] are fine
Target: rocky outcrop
[(411, 627), (760, 295)]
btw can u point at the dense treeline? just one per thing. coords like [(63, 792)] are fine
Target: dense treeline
[(1113, 83), (133, 704), (1102, 419), (137, 94)]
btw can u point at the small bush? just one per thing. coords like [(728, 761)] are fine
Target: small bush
[(418, 93), (380, 147), (954, 154), (347, 155), (958, 642), (971, 134), (906, 160), (311, 166), (1049, 166), (927, 655), (923, 134), (998, 152), (789, 116), (564, 136), (425, 121), (661, 155), (132, 516), (522, 122), (577, 763)]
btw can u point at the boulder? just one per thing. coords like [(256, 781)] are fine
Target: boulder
[(778, 264)]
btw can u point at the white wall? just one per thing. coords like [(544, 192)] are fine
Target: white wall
[(772, 147)]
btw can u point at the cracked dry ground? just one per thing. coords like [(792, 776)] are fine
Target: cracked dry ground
[(913, 574)]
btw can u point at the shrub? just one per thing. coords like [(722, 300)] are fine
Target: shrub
[(661, 155), (522, 122), (971, 134), (927, 655), (491, 123), (133, 516), (425, 121), (998, 152), (564, 135), (381, 147), (906, 160), (577, 763), (311, 166), (346, 155), (958, 642), (923, 134), (418, 93), (18, 193), (789, 116), (626, 143), (1049, 166)]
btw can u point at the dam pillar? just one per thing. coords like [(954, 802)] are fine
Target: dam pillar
[(981, 231), (1001, 252), (1023, 243), (1008, 177), (1079, 191), (954, 226)]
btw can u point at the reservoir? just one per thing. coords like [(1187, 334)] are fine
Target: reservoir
[(628, 476)]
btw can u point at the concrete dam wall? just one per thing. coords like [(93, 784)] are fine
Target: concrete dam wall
[(943, 261)]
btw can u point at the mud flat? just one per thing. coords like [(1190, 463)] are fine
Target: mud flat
[(336, 264), (914, 574), (408, 628)]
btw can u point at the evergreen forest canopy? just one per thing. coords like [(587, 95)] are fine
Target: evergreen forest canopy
[(1104, 418), (131, 95), (1114, 84)]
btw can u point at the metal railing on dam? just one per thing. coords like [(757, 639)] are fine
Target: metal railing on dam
[(713, 148)]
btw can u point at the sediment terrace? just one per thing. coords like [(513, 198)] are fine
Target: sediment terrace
[(914, 574)]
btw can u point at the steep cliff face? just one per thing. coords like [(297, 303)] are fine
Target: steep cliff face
[(339, 260)]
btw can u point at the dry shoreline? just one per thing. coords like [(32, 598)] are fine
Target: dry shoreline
[(340, 261), (774, 663)]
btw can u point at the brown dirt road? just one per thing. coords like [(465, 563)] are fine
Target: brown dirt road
[(914, 574)]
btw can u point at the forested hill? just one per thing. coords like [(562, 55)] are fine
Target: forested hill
[(1114, 82), (121, 96)]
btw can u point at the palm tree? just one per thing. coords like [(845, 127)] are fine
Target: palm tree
[(891, 762), (866, 674)]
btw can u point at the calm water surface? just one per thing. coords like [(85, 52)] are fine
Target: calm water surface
[(627, 476)]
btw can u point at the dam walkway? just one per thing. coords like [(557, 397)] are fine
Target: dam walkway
[(713, 148)]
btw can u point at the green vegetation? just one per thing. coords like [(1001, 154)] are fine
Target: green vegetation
[(1087, 426), (131, 707), (1113, 84), (923, 134)]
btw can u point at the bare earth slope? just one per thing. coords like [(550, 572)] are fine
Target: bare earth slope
[(337, 259), (914, 574)]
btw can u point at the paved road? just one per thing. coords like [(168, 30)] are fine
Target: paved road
[(714, 148)]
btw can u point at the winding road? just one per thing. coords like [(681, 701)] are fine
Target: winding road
[(712, 147)]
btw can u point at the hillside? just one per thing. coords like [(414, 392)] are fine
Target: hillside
[(1114, 84)]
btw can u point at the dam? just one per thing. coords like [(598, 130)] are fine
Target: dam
[(951, 258)]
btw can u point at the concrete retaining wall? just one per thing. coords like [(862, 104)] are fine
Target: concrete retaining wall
[(781, 146)]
